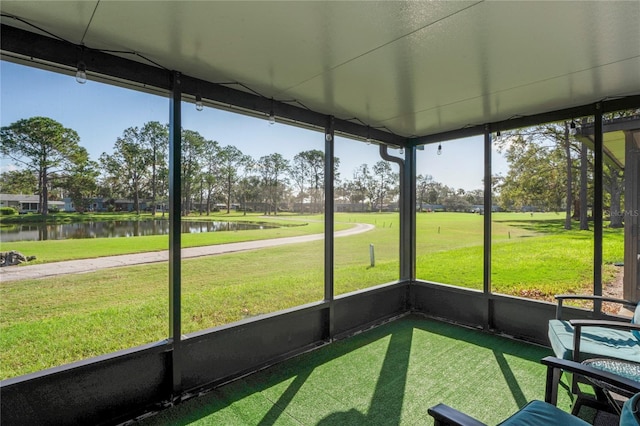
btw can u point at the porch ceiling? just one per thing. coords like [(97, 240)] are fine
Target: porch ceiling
[(414, 68)]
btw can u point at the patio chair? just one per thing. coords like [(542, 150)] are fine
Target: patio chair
[(546, 413), (588, 339), (578, 340)]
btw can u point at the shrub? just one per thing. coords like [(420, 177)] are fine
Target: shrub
[(7, 211)]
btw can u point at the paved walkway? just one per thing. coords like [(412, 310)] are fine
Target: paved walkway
[(14, 273)]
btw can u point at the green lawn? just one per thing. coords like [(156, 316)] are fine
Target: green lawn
[(53, 321), (531, 255)]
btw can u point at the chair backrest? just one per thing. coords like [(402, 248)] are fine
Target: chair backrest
[(636, 320), (630, 415)]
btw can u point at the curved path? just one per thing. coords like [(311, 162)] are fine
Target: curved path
[(14, 273)]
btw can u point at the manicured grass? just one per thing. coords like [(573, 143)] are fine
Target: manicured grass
[(49, 322), (532, 256)]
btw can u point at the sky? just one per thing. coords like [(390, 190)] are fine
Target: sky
[(100, 113)]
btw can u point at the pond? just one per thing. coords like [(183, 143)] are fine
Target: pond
[(116, 228)]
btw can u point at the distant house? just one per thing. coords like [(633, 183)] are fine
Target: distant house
[(95, 204), (124, 205), (479, 208), (27, 203), (430, 207)]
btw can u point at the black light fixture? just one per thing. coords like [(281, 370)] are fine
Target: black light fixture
[(439, 152), (572, 128), (498, 133), (199, 104)]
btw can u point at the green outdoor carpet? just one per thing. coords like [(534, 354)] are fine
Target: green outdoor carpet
[(389, 375)]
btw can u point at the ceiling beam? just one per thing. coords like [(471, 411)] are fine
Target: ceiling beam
[(629, 102)]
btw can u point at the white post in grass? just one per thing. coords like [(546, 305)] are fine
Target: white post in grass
[(372, 255)]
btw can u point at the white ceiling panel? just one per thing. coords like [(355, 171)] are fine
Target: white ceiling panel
[(65, 19), (415, 67)]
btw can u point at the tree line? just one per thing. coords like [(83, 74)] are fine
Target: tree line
[(50, 162), (549, 170)]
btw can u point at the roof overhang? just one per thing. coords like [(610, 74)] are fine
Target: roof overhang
[(613, 138)]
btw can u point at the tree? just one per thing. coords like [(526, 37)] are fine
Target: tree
[(43, 146), (584, 171), (273, 169), (357, 187), (364, 180), (569, 171), (230, 159), (614, 185), (315, 175), (248, 185), (18, 182), (456, 203), (475, 197), (129, 164), (384, 182), (422, 185), (308, 171), (536, 178), (193, 145), (299, 173), (81, 184), (211, 171), (155, 138)]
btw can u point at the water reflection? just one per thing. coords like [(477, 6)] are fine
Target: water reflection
[(115, 229)]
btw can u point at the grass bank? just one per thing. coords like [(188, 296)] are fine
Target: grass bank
[(72, 249), (68, 217)]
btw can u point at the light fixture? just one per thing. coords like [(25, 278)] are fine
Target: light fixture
[(498, 133), (572, 128), (401, 152), (199, 104), (439, 152), (81, 73), (272, 115)]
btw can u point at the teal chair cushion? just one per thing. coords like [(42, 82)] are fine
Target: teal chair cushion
[(538, 413), (596, 342), (636, 320), (630, 415)]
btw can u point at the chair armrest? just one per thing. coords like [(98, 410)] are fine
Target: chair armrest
[(561, 297), (577, 330), (594, 297), (445, 416), (604, 323), (556, 365)]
